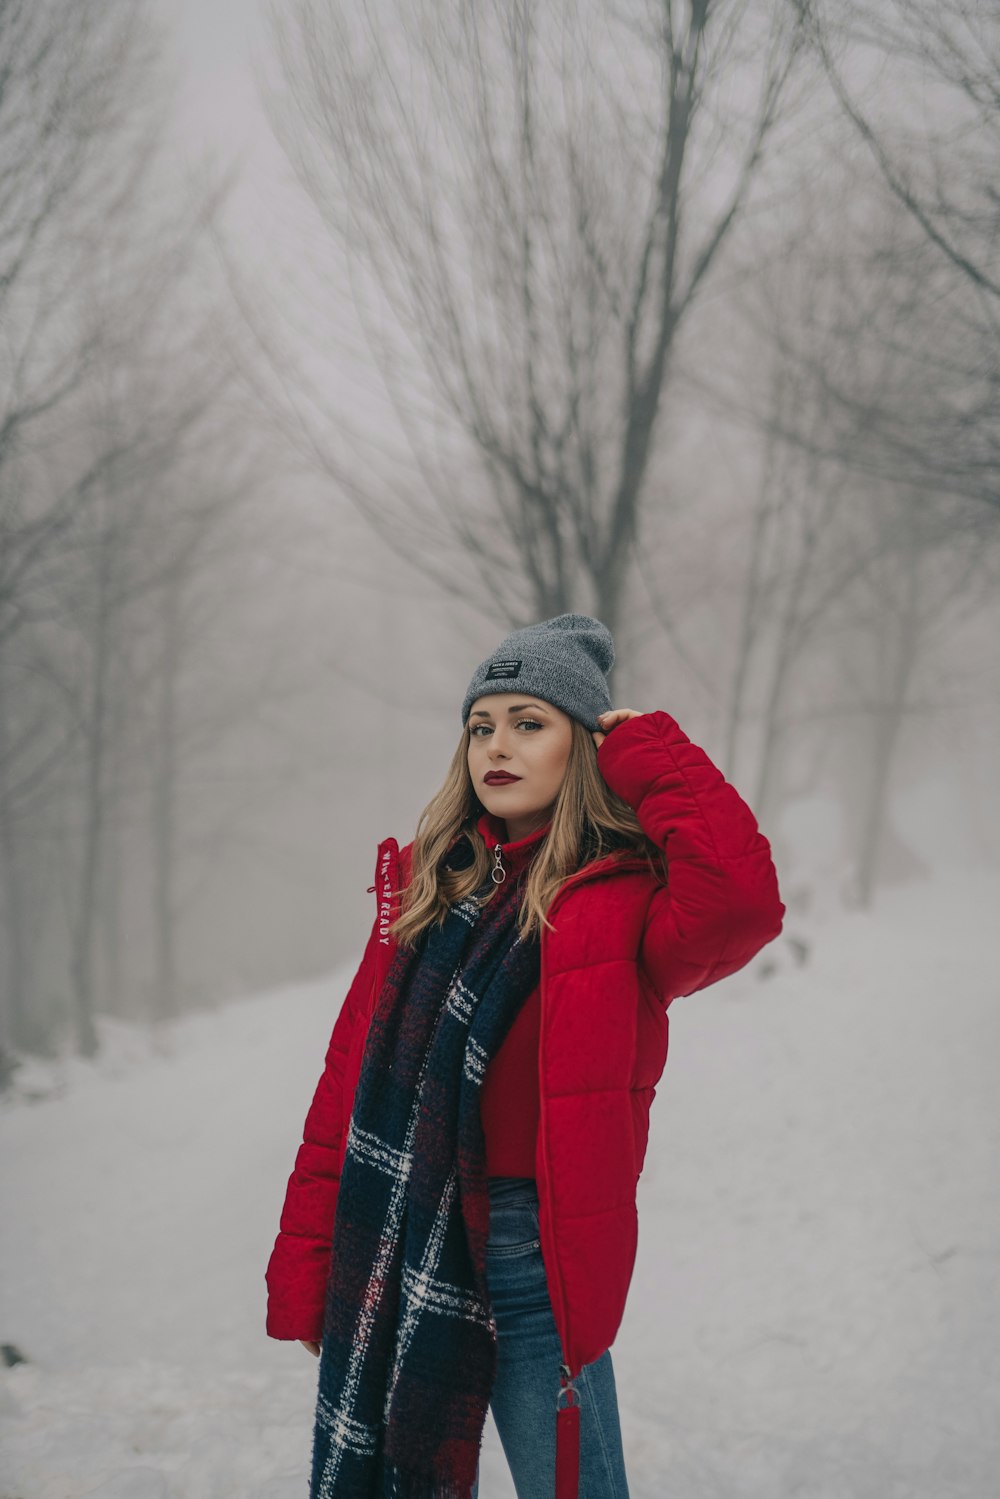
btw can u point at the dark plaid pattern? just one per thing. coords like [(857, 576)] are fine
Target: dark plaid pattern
[(408, 1358)]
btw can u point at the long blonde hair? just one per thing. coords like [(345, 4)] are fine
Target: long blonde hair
[(588, 822)]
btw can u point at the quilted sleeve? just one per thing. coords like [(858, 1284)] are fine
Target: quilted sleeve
[(299, 1265), (720, 904)]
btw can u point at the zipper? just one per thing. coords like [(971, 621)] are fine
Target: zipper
[(498, 874), (567, 1372)]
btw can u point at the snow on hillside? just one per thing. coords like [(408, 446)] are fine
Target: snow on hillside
[(814, 1310)]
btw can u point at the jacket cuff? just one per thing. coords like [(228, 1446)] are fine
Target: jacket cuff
[(630, 758)]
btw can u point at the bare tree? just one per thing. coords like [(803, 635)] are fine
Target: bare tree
[(62, 84), (74, 145), (110, 386), (539, 197), (931, 128), (855, 576)]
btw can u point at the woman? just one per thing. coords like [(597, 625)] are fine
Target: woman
[(459, 1231)]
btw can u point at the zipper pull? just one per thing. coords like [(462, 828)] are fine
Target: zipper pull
[(567, 1437), (498, 874)]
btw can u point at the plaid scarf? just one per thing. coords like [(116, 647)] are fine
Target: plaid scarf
[(408, 1357)]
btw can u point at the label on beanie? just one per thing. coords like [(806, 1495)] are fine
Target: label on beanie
[(503, 669)]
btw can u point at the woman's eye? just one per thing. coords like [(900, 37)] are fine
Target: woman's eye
[(475, 734)]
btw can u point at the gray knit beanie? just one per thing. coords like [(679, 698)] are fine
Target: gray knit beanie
[(564, 661)]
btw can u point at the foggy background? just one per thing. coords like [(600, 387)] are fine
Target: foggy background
[(336, 342)]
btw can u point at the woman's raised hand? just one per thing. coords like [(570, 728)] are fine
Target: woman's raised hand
[(313, 1347), (609, 719)]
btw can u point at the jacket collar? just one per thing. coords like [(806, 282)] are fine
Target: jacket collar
[(494, 830)]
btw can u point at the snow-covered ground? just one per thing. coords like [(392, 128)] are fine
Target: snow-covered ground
[(815, 1307)]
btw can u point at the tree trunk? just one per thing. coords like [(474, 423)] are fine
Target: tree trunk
[(82, 941), (887, 722), (14, 1022), (164, 807)]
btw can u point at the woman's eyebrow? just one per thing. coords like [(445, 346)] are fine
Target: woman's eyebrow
[(515, 708)]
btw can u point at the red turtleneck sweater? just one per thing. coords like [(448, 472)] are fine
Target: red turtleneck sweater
[(508, 1102)]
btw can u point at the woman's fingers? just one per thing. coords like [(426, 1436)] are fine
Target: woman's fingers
[(610, 719), (616, 715), (313, 1347)]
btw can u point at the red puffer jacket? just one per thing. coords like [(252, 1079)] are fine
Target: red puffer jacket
[(625, 945)]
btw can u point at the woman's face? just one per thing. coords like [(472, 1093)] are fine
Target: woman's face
[(526, 740)]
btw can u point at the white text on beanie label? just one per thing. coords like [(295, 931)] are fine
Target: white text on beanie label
[(503, 669)]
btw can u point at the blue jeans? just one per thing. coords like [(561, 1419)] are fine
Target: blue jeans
[(523, 1401)]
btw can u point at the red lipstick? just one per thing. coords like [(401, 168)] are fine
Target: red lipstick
[(499, 778)]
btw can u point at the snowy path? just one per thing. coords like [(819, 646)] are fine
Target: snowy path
[(814, 1311)]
